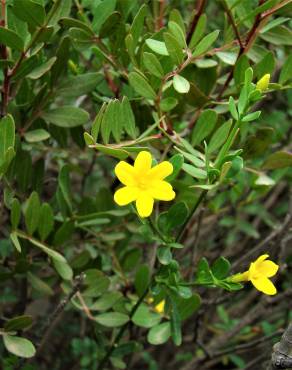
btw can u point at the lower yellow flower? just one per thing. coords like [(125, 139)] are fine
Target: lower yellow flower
[(143, 184), (258, 274), (159, 308), (263, 83)]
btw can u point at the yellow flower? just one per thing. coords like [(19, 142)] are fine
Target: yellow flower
[(159, 308), (263, 83), (259, 273), (143, 184)]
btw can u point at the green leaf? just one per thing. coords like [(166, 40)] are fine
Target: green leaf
[(15, 213), (46, 221), (7, 136), (29, 11), (20, 347), (174, 48), (39, 285), (152, 64), (113, 152), (251, 116), (233, 109), (144, 318), (97, 122), (102, 11), (164, 255), (180, 84), (141, 85), (138, 23), (37, 135), (194, 171), (39, 71), (280, 159), (15, 241), (220, 268), (142, 279), (175, 16), (18, 323), (128, 118), (50, 252), (11, 39), (176, 216), (168, 104), (175, 323), (158, 47), (159, 334), (278, 36), (79, 85), (199, 31), (178, 33), (111, 25), (187, 306), (266, 65), (66, 116), (112, 319), (227, 57), (177, 161), (32, 213), (240, 67), (204, 126), (72, 22), (64, 186), (204, 275), (219, 137), (106, 301), (206, 43), (286, 71), (63, 269)]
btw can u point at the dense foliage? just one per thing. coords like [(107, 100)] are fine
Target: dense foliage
[(145, 163)]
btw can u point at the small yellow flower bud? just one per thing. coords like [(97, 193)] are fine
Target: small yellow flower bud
[(160, 307), (263, 83)]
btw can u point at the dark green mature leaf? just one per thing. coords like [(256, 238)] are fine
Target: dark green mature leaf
[(7, 137), (286, 71), (173, 47), (138, 23), (106, 301), (177, 33), (79, 85), (102, 12), (71, 22), (128, 118), (177, 161), (97, 122), (15, 213), (46, 221), (112, 319), (32, 213), (66, 116), (175, 16), (64, 186), (188, 306), (159, 334), (63, 269), (280, 159), (164, 255), (176, 216), (142, 279), (18, 323), (194, 171), (199, 31), (266, 65), (39, 71), (141, 85), (15, 241), (239, 70), (204, 126), (11, 39), (111, 25), (175, 324), (220, 268), (206, 43), (20, 347), (152, 64), (30, 11), (39, 285), (278, 36)]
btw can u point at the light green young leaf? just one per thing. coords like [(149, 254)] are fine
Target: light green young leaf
[(219, 137), (20, 347), (174, 48), (158, 47), (199, 31), (66, 116), (152, 64), (180, 84)]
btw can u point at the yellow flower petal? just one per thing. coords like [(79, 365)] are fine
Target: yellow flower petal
[(264, 285), (126, 195), (125, 173), (143, 162), (160, 307), (161, 190), (263, 83), (261, 258), (162, 170), (144, 204), (268, 268)]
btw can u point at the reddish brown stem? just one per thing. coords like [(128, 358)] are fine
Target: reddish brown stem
[(199, 10)]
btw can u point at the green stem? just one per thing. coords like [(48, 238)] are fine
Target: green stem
[(198, 202)]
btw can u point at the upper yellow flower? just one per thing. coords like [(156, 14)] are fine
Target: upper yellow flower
[(259, 273), (263, 83), (143, 184)]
